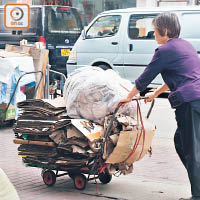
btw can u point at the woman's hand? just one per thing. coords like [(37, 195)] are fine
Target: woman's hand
[(156, 93), (124, 101), (151, 96), (128, 99)]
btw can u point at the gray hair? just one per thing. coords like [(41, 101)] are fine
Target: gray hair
[(167, 21)]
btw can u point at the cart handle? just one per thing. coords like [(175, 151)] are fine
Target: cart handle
[(121, 103), (117, 108), (18, 84), (150, 109), (59, 73)]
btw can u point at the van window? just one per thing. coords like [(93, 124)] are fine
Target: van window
[(140, 27), (63, 20), (106, 26), (189, 25)]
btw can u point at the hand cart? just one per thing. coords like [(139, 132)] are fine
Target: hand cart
[(95, 169)]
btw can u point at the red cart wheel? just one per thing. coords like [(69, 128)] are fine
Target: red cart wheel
[(80, 181), (49, 177)]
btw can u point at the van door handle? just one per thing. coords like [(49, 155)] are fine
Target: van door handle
[(130, 47), (114, 43)]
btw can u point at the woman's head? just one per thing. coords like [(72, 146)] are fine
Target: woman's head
[(167, 25)]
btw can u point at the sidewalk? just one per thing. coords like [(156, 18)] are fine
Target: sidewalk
[(161, 177)]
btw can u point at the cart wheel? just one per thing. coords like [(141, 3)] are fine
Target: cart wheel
[(105, 177), (80, 181), (49, 177)]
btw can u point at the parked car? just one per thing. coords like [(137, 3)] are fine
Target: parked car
[(57, 27), (123, 40)]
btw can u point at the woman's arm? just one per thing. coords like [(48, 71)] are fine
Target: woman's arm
[(130, 96), (150, 72)]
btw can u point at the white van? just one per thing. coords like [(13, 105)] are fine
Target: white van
[(123, 40)]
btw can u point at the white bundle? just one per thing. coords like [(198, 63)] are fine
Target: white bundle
[(93, 93)]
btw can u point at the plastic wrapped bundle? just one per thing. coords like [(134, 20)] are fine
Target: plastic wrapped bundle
[(93, 93)]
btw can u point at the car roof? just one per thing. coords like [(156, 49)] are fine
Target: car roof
[(152, 9)]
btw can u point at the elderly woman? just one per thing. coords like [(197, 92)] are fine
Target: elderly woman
[(178, 63)]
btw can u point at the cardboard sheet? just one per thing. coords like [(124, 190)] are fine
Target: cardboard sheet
[(126, 143), (51, 104), (91, 130), (73, 132)]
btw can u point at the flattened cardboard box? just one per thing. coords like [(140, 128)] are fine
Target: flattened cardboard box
[(126, 143), (91, 130)]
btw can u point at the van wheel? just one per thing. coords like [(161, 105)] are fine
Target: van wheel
[(104, 67)]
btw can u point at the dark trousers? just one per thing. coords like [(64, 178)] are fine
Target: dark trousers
[(187, 142)]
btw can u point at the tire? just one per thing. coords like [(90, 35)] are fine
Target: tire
[(105, 177), (80, 181), (49, 178), (104, 67)]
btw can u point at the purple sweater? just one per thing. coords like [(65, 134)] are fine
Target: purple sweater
[(179, 65)]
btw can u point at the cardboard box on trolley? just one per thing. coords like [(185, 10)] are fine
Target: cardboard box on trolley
[(132, 145)]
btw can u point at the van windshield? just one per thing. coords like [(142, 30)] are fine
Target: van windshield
[(105, 26), (63, 20)]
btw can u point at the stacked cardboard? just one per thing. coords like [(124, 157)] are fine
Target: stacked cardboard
[(47, 137)]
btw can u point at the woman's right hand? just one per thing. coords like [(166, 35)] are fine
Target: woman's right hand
[(150, 97), (130, 96)]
